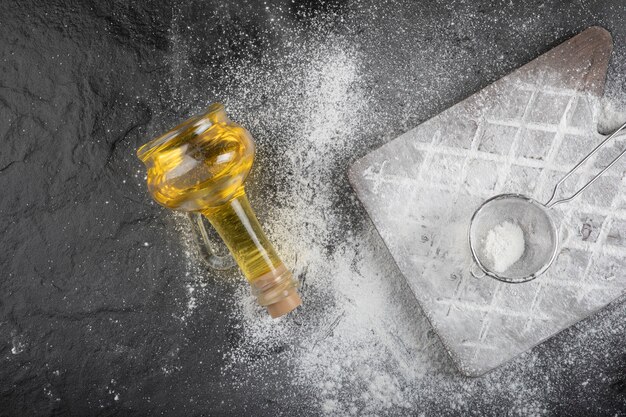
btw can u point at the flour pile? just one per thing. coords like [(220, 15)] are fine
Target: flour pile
[(504, 245)]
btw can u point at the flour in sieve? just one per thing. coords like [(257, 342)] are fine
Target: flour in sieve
[(504, 245)]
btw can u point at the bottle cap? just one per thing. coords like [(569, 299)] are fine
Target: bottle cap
[(286, 305)]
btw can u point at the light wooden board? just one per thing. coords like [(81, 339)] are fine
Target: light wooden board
[(517, 135)]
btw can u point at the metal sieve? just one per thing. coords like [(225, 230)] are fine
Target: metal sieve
[(541, 243)]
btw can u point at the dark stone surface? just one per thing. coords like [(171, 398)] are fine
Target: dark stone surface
[(89, 307)]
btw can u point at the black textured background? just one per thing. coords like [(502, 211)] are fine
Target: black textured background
[(88, 266)]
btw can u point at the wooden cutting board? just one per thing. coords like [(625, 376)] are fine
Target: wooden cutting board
[(519, 134)]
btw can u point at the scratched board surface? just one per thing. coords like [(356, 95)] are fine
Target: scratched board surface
[(521, 134)]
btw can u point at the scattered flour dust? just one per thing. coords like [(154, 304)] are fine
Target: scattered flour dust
[(353, 344), (18, 345), (505, 245), (347, 343), (359, 345)]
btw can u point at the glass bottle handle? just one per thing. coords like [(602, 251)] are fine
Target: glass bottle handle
[(206, 245)]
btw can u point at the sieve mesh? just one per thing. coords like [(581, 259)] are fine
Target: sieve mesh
[(540, 236)]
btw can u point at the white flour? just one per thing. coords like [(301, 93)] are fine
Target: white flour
[(504, 245)]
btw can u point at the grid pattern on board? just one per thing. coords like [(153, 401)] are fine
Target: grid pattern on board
[(442, 171)]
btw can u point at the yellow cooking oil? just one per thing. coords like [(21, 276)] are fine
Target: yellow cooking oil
[(201, 166)]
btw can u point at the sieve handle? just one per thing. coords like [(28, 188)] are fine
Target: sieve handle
[(552, 202)]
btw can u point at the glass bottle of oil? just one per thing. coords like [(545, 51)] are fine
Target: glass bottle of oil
[(201, 166)]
